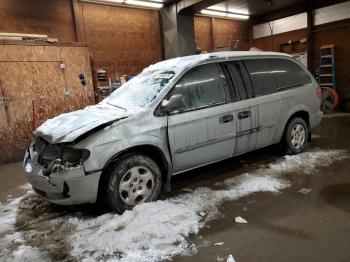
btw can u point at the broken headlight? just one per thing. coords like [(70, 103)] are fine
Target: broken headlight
[(74, 156)]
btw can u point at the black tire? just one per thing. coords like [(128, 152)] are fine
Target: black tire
[(296, 148), (112, 196)]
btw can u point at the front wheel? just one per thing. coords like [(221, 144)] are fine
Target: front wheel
[(296, 135), (131, 181)]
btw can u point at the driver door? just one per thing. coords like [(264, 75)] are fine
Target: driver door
[(204, 130)]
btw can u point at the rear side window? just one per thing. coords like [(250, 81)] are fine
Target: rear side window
[(288, 74), (259, 71), (202, 86)]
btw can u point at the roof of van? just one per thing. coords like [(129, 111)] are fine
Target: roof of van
[(180, 63)]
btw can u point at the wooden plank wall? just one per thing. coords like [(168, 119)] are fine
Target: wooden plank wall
[(211, 33), (51, 17), (33, 73), (121, 39)]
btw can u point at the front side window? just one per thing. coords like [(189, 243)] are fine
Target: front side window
[(202, 86)]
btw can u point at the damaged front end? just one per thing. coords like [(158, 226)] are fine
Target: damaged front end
[(57, 173)]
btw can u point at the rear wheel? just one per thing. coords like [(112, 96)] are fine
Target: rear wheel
[(295, 138), (133, 180)]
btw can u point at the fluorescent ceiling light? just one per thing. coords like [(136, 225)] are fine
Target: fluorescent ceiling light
[(240, 11), (217, 8), (237, 16), (105, 1), (225, 14), (144, 3), (211, 12)]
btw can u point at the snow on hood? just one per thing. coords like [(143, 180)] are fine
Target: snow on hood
[(68, 127)]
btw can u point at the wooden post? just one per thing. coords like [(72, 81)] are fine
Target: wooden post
[(78, 22), (212, 33), (310, 44)]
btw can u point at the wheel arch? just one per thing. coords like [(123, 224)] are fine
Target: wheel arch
[(303, 114), (151, 151)]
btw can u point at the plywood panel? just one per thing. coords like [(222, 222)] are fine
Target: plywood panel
[(27, 53), (53, 89)]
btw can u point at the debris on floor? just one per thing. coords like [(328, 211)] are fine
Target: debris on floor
[(240, 220), (305, 191), (202, 214), (219, 244), (230, 259)]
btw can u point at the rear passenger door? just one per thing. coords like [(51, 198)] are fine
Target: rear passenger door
[(266, 98), (244, 107), (204, 130)]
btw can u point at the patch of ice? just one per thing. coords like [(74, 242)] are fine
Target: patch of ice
[(8, 215), (305, 191), (240, 220), (230, 259), (28, 254), (26, 187), (28, 168)]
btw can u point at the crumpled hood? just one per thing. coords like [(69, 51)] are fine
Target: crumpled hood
[(68, 127)]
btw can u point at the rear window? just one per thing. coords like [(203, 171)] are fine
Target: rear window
[(288, 74), (259, 71)]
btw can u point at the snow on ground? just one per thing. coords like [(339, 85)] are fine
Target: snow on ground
[(151, 231)]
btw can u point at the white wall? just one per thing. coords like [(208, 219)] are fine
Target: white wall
[(283, 25), (322, 15), (332, 13)]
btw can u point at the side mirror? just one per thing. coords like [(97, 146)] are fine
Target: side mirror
[(174, 103)]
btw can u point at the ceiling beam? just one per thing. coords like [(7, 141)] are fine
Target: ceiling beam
[(191, 7), (293, 10)]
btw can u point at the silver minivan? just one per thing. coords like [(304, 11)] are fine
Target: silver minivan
[(176, 115)]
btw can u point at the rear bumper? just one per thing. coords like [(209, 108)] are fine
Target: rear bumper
[(66, 187), (315, 119)]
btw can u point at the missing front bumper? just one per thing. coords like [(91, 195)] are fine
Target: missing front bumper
[(68, 187)]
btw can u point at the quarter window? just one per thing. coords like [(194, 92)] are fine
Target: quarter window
[(288, 74), (202, 86)]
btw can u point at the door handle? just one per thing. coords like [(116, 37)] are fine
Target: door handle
[(243, 114), (226, 118)]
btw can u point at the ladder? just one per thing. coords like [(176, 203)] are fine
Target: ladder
[(327, 67)]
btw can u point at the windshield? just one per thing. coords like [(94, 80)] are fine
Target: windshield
[(140, 90)]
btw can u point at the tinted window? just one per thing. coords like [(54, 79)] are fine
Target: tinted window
[(204, 85), (239, 79), (288, 74), (259, 71)]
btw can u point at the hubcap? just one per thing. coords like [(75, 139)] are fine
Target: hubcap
[(136, 185), (298, 136)]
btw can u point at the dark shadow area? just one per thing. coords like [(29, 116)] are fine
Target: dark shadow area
[(337, 195)]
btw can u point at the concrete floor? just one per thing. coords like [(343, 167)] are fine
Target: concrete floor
[(288, 227)]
